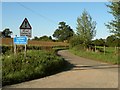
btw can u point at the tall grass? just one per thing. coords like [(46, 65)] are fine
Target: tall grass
[(109, 56), (38, 63)]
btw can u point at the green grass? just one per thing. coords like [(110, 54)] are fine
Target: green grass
[(109, 56), (38, 63), (110, 50)]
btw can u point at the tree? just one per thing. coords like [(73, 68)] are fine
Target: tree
[(50, 38), (112, 41), (75, 40), (99, 42), (6, 33), (86, 28), (43, 38), (64, 32), (114, 25), (0, 34), (96, 42), (36, 38)]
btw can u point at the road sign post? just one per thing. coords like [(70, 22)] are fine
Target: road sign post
[(26, 29), (20, 41), (25, 33), (14, 49), (25, 51)]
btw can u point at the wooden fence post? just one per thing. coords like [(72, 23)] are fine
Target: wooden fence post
[(104, 49), (95, 48)]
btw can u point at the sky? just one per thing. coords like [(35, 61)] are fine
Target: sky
[(45, 16)]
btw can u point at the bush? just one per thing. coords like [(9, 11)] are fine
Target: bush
[(6, 49), (20, 48), (75, 41), (36, 65)]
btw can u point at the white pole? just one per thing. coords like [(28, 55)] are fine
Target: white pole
[(14, 49), (25, 52)]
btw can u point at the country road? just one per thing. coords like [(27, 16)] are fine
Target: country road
[(84, 73)]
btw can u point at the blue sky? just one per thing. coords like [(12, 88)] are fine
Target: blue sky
[(44, 17)]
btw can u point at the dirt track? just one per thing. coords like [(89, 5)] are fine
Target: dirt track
[(84, 73)]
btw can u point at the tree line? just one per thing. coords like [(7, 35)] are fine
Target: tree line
[(86, 30)]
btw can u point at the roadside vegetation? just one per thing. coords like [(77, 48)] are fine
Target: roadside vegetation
[(109, 57), (37, 64)]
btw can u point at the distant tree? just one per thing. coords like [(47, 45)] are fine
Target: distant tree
[(64, 32), (96, 42), (102, 42), (35, 38), (0, 34), (112, 41), (86, 28), (114, 25), (43, 38), (99, 42), (50, 38), (6, 33)]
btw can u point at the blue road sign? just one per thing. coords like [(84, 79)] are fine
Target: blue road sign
[(20, 40)]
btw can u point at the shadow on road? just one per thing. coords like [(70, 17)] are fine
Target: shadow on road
[(72, 64), (88, 67)]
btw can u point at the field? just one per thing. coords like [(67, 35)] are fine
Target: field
[(110, 56), (9, 41), (7, 45)]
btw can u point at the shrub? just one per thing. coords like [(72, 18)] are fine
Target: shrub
[(75, 40), (6, 49), (38, 63), (20, 48)]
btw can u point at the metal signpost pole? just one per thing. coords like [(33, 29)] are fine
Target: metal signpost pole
[(14, 49), (25, 52), (26, 47), (14, 45)]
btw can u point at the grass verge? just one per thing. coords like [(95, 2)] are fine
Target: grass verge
[(38, 63), (109, 57)]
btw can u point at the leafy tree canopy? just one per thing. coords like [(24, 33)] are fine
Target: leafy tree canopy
[(114, 25), (6, 33), (112, 41), (64, 32), (43, 38), (86, 27), (99, 42)]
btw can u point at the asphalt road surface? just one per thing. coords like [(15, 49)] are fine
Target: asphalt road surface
[(82, 73)]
